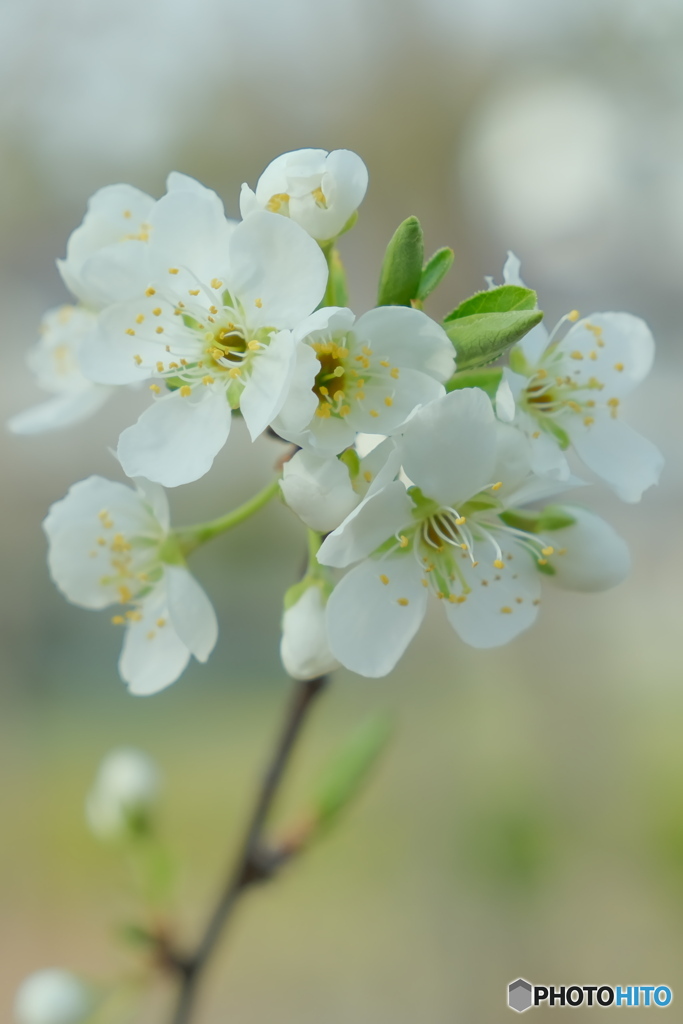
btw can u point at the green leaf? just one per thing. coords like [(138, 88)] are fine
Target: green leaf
[(483, 337), (349, 770), (554, 517), (506, 299), (487, 378), (401, 272), (434, 271)]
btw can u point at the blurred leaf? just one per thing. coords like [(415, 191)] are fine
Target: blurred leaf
[(137, 936), (349, 769), (487, 378), (434, 271), (483, 337), (402, 267), (507, 298)]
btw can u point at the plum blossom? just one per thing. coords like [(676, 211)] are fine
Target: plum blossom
[(317, 189), (110, 544), (366, 375), (215, 330), (456, 533), (52, 996), (54, 362), (304, 647), (124, 794), (563, 391)]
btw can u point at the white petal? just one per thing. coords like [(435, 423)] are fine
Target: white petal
[(106, 220), (268, 383), (152, 656), (513, 459), (190, 227), (61, 411), (155, 497), (191, 612), (371, 623), (319, 490), (52, 996), (300, 401), (595, 556), (505, 402), (449, 446), (623, 359), (176, 440), (304, 647), (624, 459), (277, 271), (502, 602), (115, 273), (248, 202), (411, 390), (374, 521), (408, 338)]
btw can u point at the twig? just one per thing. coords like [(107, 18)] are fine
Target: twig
[(255, 862)]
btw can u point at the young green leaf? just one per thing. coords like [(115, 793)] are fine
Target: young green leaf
[(483, 337), (402, 267), (505, 299), (434, 271), (349, 769)]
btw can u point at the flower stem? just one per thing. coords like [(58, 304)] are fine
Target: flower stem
[(191, 537), (255, 862)]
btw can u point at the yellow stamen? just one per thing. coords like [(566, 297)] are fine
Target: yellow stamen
[(384, 579)]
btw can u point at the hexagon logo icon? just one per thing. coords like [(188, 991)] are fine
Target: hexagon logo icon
[(519, 995)]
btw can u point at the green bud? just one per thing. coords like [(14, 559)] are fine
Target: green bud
[(487, 379), (401, 272), (483, 337), (434, 271), (554, 517), (349, 769)]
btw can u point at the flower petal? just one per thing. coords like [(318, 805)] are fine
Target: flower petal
[(190, 611), (190, 227), (624, 459), (377, 518), (409, 338), (61, 411), (176, 440), (152, 656), (267, 386), (615, 348), (300, 402), (276, 270), (449, 446), (388, 405), (319, 490), (594, 556), (370, 623), (502, 602)]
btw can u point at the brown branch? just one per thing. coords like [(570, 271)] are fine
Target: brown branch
[(255, 863)]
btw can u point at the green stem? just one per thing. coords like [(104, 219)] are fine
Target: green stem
[(191, 537)]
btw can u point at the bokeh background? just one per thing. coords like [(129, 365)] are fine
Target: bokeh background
[(528, 819)]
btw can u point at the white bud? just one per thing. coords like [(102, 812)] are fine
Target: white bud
[(319, 490), (126, 787), (52, 996), (304, 648)]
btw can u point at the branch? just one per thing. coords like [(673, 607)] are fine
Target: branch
[(255, 862)]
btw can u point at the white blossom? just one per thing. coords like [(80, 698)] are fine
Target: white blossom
[(454, 533), (568, 391), (366, 375), (125, 792), (322, 491), (304, 647), (216, 329), (111, 544), (52, 996), (319, 190), (54, 362)]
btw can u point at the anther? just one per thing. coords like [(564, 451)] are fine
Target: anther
[(150, 291), (384, 579), (506, 609), (498, 564), (403, 601), (185, 391), (173, 270)]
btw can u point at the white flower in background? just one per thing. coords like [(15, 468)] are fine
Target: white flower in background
[(322, 491), (110, 544), (52, 996), (568, 391), (217, 329), (304, 647), (54, 361), (366, 375), (124, 795), (454, 533), (107, 256), (319, 190)]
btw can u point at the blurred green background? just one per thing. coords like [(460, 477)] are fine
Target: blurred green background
[(528, 819)]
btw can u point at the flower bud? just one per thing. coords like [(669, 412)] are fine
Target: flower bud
[(319, 490), (304, 648), (124, 795), (52, 996)]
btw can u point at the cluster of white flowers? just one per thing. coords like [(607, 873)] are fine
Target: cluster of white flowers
[(409, 470)]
